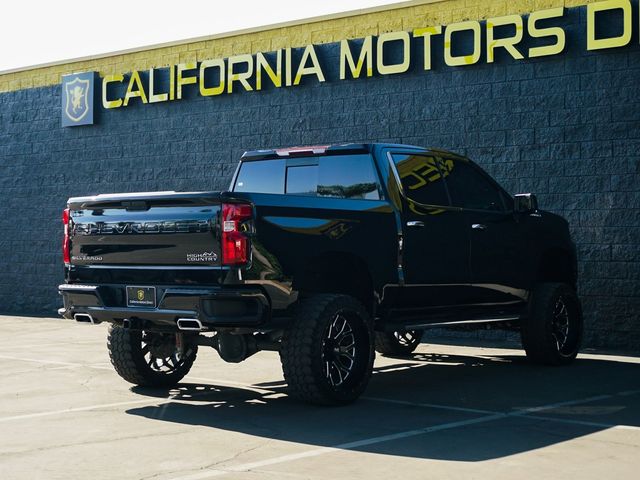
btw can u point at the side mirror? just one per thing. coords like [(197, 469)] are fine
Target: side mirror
[(525, 203)]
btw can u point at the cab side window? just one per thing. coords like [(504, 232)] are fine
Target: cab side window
[(469, 188), (422, 179)]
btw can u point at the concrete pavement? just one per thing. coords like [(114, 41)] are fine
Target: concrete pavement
[(446, 412)]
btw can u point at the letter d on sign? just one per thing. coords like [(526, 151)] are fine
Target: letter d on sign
[(623, 39)]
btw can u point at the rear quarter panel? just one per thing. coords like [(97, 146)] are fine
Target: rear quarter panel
[(294, 231)]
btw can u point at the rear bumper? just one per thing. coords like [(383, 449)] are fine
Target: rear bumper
[(233, 306)]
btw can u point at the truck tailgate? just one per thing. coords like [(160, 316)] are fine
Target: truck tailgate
[(145, 229)]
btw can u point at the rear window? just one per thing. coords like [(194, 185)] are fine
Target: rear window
[(302, 180), (261, 177), (339, 176)]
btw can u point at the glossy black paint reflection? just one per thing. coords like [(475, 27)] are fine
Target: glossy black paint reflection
[(419, 236), (296, 233)]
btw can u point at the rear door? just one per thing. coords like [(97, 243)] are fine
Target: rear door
[(435, 253)]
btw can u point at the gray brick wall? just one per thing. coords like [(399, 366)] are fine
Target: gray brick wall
[(565, 127)]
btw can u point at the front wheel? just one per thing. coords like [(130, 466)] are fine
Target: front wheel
[(327, 353), (150, 359), (399, 343), (552, 333)]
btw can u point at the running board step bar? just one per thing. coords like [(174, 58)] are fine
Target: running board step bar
[(423, 325)]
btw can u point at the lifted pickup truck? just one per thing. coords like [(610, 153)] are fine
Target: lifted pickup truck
[(323, 254)]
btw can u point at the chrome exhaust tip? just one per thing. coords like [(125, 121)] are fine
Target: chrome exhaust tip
[(84, 318), (190, 324)]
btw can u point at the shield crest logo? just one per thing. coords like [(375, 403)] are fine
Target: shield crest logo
[(77, 105), (140, 294)]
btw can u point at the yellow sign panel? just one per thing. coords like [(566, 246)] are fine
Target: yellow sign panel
[(368, 56), (621, 40)]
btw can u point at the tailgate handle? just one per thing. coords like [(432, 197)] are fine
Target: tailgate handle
[(135, 205)]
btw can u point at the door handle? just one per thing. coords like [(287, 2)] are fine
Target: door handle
[(418, 224), (478, 226)]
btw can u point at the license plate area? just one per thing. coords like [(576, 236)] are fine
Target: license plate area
[(141, 296)]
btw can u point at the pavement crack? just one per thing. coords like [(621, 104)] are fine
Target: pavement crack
[(204, 468), (83, 443), (232, 457)]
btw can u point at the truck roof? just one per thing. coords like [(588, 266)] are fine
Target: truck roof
[(334, 149)]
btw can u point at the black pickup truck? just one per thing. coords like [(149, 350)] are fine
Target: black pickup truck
[(323, 254)]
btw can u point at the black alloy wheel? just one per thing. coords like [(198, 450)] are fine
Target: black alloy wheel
[(151, 359), (327, 353), (339, 350), (398, 343), (161, 353), (552, 332), (561, 325)]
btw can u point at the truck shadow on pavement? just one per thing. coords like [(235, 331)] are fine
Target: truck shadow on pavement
[(470, 408)]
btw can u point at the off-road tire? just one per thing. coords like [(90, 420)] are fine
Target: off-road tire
[(539, 331), (128, 359), (306, 362), (391, 345)]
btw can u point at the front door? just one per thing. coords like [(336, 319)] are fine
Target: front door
[(496, 242)]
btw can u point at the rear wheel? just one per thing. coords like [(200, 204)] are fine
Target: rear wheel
[(327, 354), (552, 333), (398, 343), (150, 359)]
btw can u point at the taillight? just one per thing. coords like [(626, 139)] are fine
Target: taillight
[(235, 244), (66, 256)]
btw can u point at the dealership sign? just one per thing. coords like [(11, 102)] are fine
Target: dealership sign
[(463, 43), (77, 99)]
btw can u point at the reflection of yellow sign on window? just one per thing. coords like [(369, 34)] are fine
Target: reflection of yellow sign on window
[(418, 171), (423, 170)]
